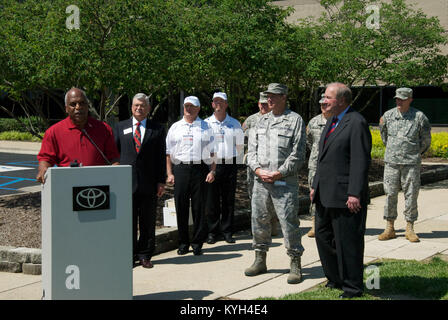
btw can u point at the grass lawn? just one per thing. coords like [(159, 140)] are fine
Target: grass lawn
[(398, 279)]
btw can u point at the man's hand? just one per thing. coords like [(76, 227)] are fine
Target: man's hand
[(160, 189), (210, 177), (312, 195), (170, 179), (353, 204), (268, 176), (43, 167)]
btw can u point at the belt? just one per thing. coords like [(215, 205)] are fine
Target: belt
[(224, 161)]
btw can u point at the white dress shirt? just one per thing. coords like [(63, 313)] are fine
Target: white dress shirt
[(228, 134), (186, 142)]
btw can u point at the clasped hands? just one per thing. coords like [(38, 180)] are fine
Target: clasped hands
[(268, 176)]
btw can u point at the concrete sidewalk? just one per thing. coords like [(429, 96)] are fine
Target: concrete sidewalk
[(219, 272), (22, 147)]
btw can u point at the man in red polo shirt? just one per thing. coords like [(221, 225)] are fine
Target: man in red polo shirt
[(75, 137)]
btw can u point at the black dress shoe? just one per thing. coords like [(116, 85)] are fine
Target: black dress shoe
[(347, 295), (229, 238), (332, 285), (211, 239), (182, 251), (197, 251), (146, 263)]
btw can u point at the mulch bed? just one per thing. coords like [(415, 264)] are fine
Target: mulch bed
[(20, 223)]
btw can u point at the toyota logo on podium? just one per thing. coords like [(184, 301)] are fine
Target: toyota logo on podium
[(91, 198)]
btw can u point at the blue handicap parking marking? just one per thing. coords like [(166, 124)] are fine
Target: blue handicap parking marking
[(14, 180), (25, 163)]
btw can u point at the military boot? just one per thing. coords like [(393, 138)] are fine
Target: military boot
[(295, 274), (259, 265), (311, 233), (389, 233), (410, 234)]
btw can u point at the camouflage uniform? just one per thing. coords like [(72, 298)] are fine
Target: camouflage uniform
[(277, 144), (313, 133), (406, 137), (249, 124)]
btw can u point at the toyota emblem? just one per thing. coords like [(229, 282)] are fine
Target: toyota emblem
[(90, 198)]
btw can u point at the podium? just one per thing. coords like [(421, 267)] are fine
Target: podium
[(87, 233)]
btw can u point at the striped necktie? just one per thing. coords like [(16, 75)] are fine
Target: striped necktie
[(138, 138), (333, 126)]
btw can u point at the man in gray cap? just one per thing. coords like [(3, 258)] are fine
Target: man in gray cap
[(248, 125), (313, 133), (276, 153), (406, 133)]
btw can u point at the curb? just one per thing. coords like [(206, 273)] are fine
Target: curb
[(28, 260)]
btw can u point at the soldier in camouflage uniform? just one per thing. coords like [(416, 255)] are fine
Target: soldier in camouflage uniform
[(248, 125), (313, 133), (406, 133), (276, 153)]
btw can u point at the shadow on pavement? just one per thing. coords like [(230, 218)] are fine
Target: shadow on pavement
[(175, 295)]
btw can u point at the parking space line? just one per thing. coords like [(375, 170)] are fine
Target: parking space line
[(15, 180), (25, 163)]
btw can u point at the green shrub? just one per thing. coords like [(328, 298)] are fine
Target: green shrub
[(18, 136), (10, 124)]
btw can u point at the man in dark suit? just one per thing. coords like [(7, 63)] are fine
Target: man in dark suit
[(340, 191), (141, 143)]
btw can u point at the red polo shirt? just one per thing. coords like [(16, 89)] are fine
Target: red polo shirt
[(64, 142)]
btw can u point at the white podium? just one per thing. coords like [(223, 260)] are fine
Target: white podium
[(87, 233)]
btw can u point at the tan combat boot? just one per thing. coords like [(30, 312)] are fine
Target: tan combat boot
[(312, 233), (389, 233), (259, 265), (295, 274), (410, 234)]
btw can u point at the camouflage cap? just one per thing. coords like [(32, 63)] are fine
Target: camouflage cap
[(403, 93), (277, 88), (263, 98)]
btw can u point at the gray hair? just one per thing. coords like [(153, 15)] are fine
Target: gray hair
[(342, 92), (142, 97), (82, 91)]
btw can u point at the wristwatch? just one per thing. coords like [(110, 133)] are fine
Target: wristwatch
[(214, 172)]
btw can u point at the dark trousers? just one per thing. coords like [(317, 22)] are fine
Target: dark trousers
[(221, 200), (189, 183), (144, 220), (340, 242)]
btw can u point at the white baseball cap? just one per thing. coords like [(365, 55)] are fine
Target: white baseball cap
[(193, 100), (221, 95)]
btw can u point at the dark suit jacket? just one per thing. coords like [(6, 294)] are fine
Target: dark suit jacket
[(149, 165), (343, 163)]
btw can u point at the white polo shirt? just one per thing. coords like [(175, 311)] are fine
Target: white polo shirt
[(186, 142), (228, 134)]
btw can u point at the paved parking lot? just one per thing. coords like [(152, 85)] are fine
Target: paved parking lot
[(18, 173)]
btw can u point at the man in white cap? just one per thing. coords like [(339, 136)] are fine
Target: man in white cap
[(406, 133), (190, 166), (228, 148)]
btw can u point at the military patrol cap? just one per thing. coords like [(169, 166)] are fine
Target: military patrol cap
[(322, 98), (277, 88), (263, 97), (403, 93)]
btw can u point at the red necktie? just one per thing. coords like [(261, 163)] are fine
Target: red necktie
[(138, 138), (333, 126)]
